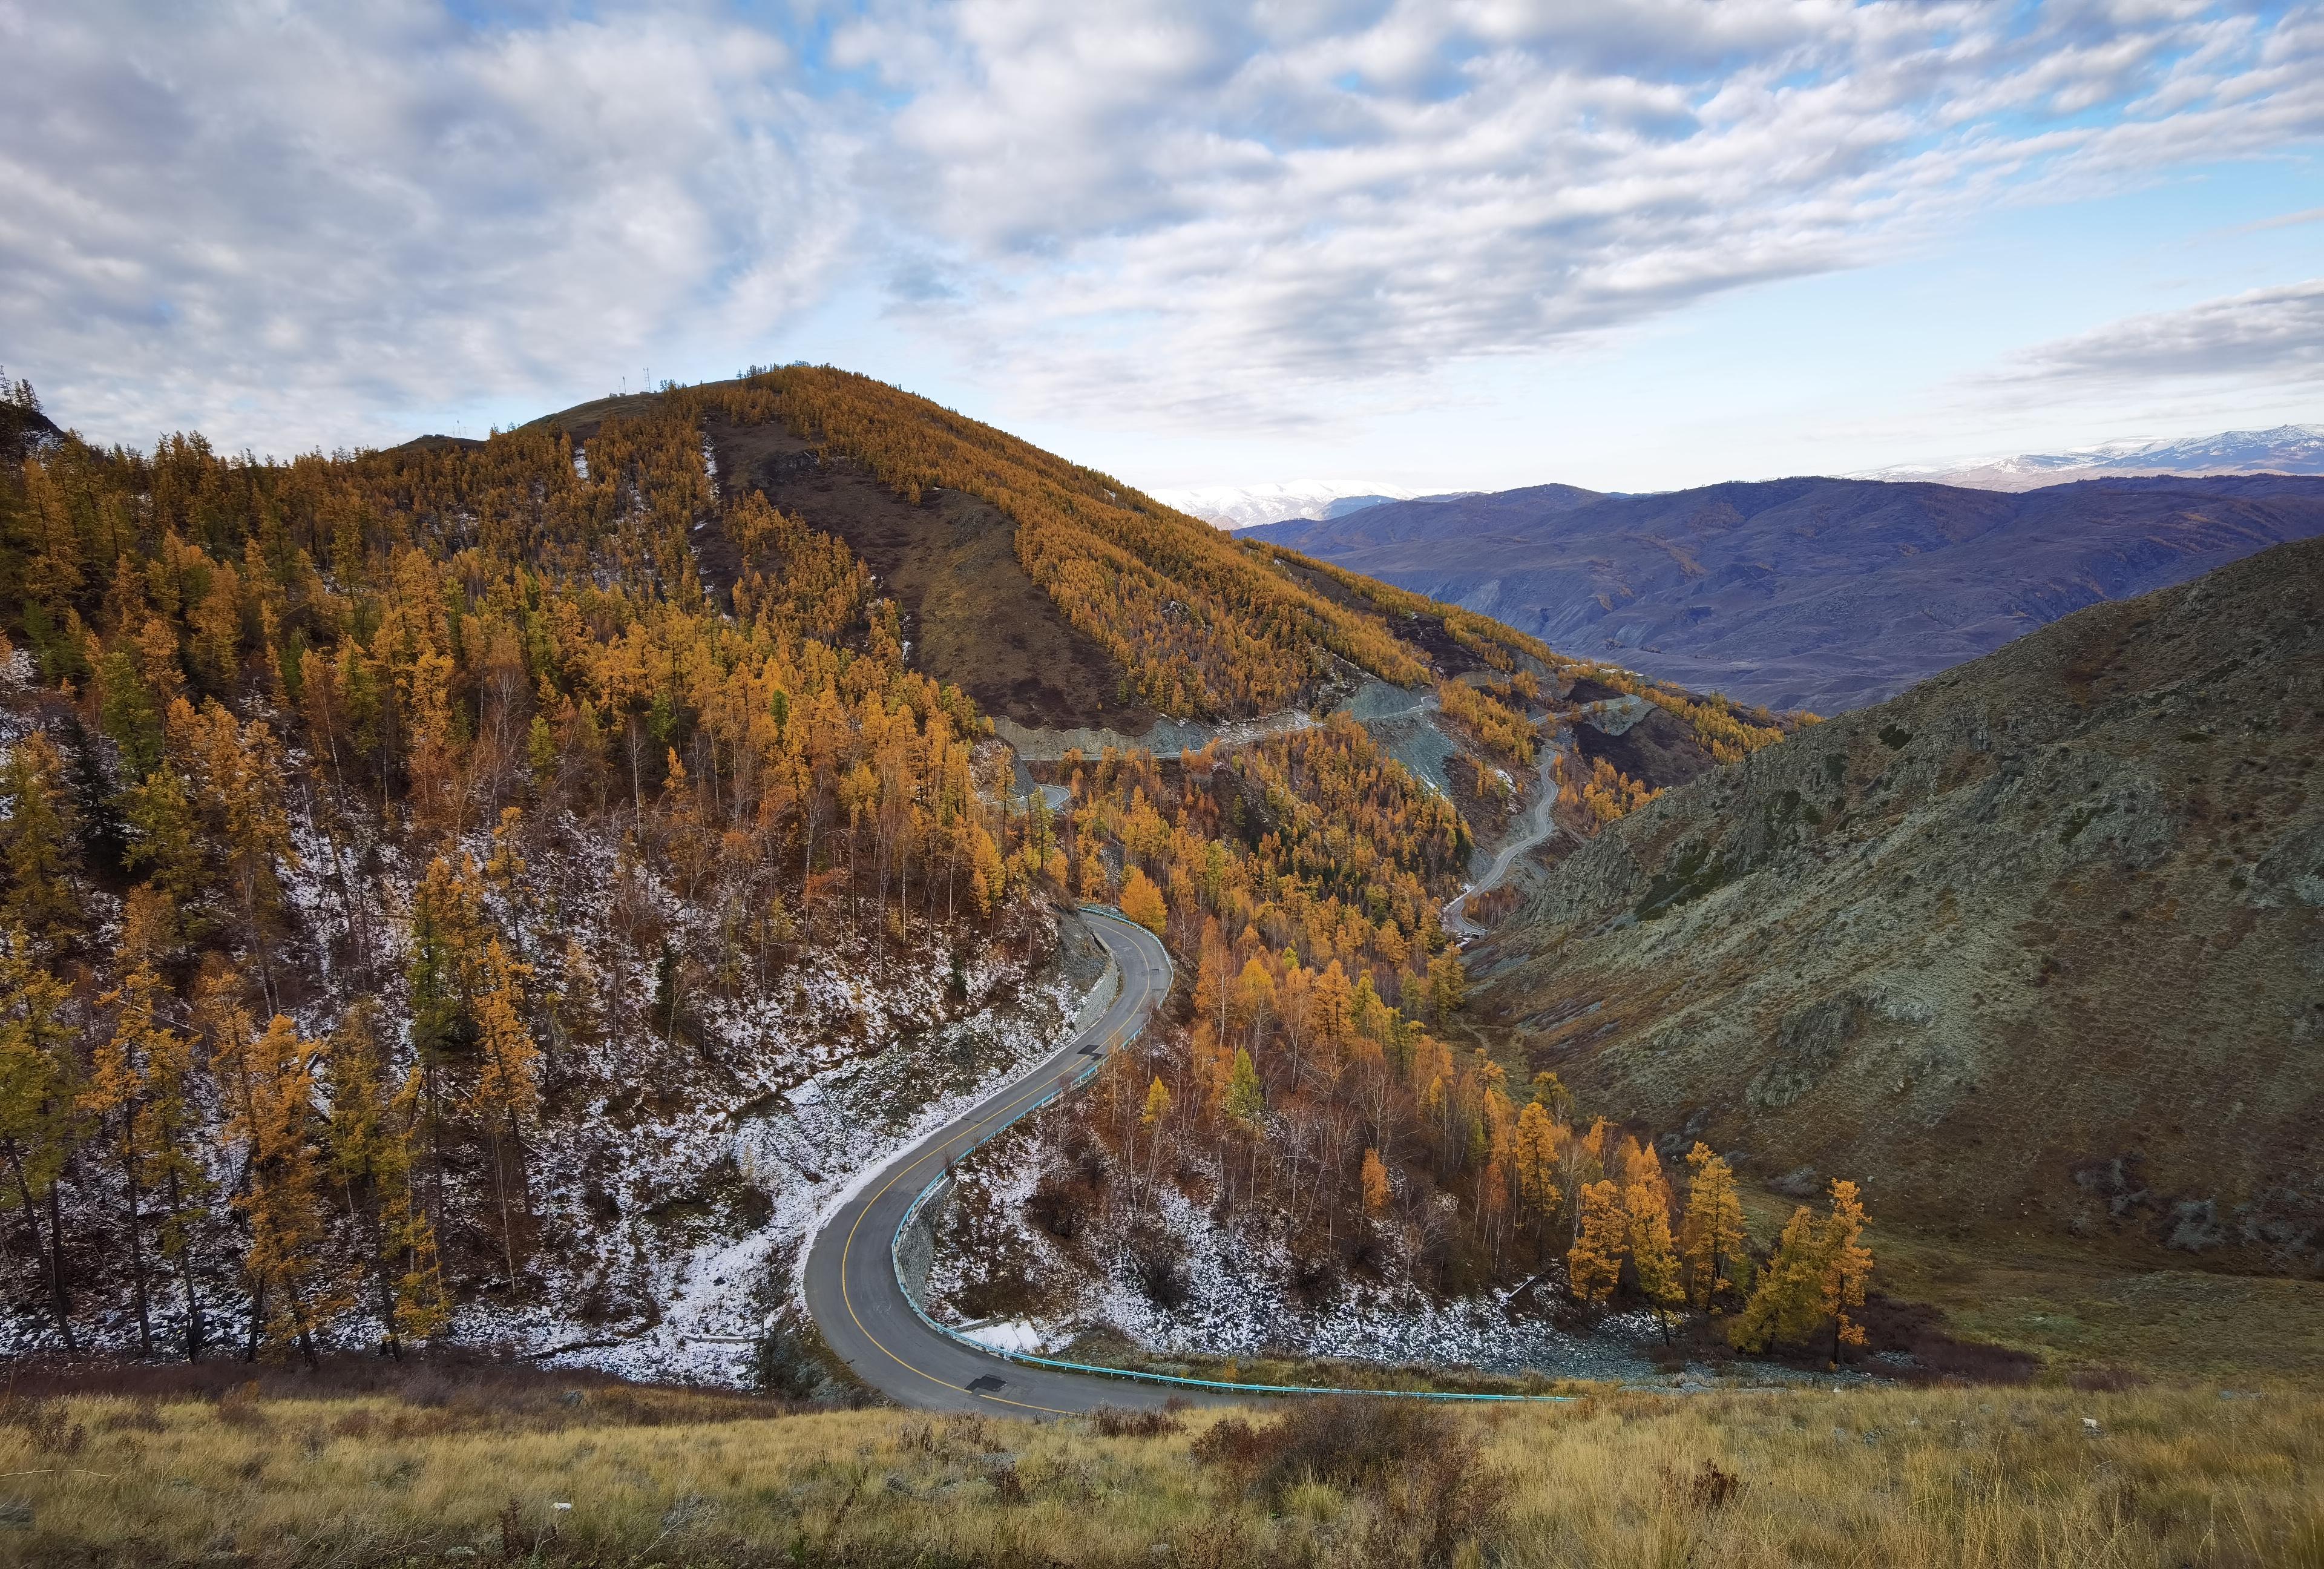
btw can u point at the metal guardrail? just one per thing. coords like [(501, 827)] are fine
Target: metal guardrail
[(1129, 1030)]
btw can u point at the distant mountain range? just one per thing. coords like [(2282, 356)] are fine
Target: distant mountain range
[(1235, 507), (1820, 594), (2285, 449)]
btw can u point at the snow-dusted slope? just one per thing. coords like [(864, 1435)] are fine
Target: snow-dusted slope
[(2285, 450)]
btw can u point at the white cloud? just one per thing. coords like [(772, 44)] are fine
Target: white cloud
[(2277, 332), (293, 224), (1204, 213)]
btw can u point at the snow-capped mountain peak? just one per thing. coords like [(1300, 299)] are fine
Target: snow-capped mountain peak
[(1246, 506), (2283, 449)]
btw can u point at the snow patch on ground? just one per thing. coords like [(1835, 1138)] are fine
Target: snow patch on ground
[(1240, 1301), (672, 1172), (811, 1147), (1017, 1335)]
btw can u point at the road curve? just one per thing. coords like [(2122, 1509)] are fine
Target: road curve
[(1540, 827), (850, 1281)]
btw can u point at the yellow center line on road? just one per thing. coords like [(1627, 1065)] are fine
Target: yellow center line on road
[(847, 1248), (1027, 1089)]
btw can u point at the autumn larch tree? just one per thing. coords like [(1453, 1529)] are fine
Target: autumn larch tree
[(39, 1113), (116, 1096), (1594, 1265), (1244, 1101), (1846, 1265), (1552, 1097), (1448, 984), (1534, 1164), (1141, 901), (283, 1203), (177, 1171), (1818, 1274), (37, 845), (1711, 1236), (237, 773), (1647, 1210), (1786, 1302), (142, 1080), (1375, 1184), (1254, 996), (371, 1139), (164, 847), (423, 1305), (506, 1093)]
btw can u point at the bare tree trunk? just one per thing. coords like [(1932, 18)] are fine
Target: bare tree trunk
[(508, 1237), (136, 1245), (257, 1317), (59, 1305), (194, 1328)]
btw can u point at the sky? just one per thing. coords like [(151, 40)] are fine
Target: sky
[(1463, 246)]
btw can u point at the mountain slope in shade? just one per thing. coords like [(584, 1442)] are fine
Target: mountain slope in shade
[(2285, 450), (2037, 945), (1820, 594)]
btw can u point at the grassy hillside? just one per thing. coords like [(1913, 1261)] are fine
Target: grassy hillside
[(271, 1477), (2031, 947)]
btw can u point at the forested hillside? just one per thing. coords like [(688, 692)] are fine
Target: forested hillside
[(409, 866), (1198, 625), (1304, 1132), (481, 890)]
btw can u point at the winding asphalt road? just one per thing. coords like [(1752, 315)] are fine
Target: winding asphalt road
[(851, 1285)]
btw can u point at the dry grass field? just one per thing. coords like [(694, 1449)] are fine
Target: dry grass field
[(436, 1472)]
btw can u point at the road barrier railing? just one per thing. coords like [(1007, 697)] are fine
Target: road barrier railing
[(1127, 1030)]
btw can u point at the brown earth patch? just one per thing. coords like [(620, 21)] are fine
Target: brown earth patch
[(1582, 689), (1425, 632), (581, 421), (1659, 750), (973, 615)]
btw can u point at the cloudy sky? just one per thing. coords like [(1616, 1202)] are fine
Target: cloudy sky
[(1466, 245)]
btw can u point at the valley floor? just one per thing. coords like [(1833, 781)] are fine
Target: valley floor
[(2075, 1310), (368, 1466)]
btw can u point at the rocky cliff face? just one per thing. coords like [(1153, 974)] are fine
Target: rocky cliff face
[(2037, 945)]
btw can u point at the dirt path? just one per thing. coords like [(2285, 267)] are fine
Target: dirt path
[(1168, 736), (1537, 828)]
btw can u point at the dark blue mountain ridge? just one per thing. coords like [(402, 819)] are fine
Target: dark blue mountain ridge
[(1808, 593)]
